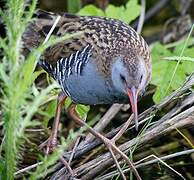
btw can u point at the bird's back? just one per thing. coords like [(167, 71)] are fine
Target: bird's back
[(108, 37)]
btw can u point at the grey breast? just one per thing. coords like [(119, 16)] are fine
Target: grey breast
[(80, 80)]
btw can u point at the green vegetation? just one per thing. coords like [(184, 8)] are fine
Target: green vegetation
[(20, 98), (169, 68), (23, 104), (126, 13)]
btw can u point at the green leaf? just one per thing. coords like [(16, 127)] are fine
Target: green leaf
[(188, 67), (163, 69), (158, 64), (50, 112), (124, 13), (73, 6), (68, 102), (91, 10), (82, 110), (2, 168), (115, 12), (163, 79), (132, 11)]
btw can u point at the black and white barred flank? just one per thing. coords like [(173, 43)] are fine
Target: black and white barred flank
[(66, 66)]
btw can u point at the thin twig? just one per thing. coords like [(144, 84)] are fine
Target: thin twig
[(117, 164), (74, 149), (124, 128), (158, 159), (27, 169), (170, 156), (105, 120), (153, 11), (66, 164), (142, 17), (161, 161), (52, 29)]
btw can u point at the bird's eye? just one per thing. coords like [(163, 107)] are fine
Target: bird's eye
[(141, 79), (122, 78)]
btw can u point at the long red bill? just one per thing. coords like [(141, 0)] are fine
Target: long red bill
[(132, 93)]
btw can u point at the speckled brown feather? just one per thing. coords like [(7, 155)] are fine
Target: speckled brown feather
[(109, 38)]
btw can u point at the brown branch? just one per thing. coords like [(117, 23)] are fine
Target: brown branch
[(105, 120), (96, 166)]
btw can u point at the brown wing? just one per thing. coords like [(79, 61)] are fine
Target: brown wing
[(37, 31), (109, 38)]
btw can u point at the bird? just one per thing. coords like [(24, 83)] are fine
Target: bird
[(107, 63)]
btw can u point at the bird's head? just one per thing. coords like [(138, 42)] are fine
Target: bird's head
[(130, 76)]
